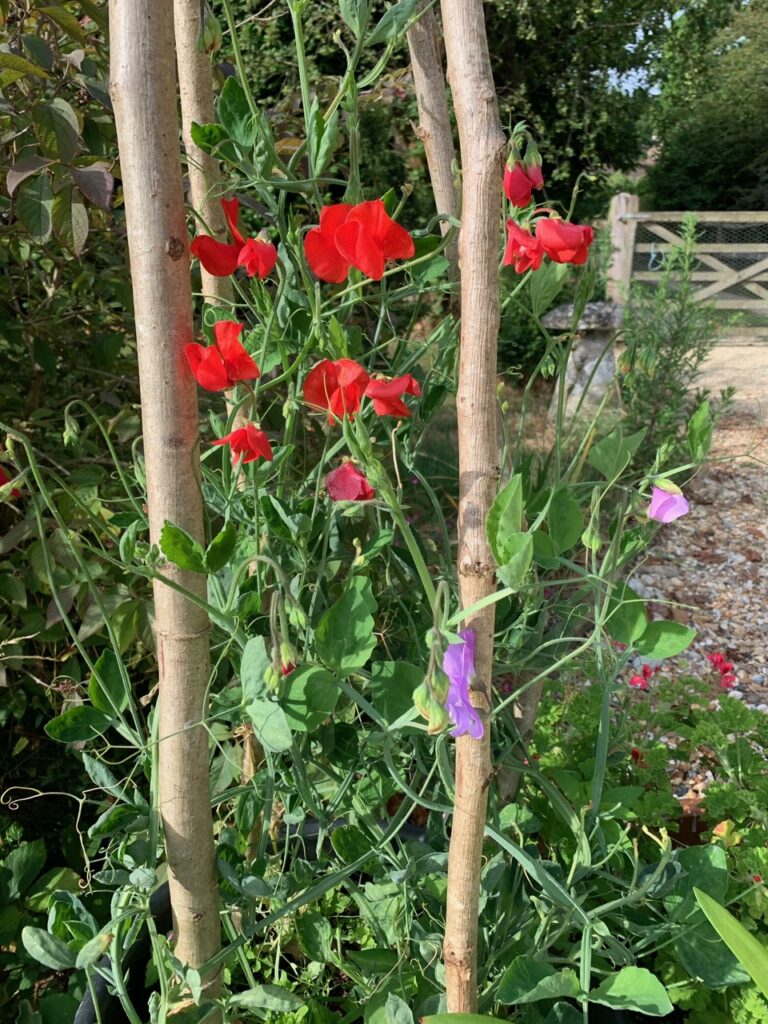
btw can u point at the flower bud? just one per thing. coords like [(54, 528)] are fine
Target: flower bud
[(209, 38), (271, 678)]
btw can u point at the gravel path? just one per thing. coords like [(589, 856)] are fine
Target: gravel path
[(714, 561)]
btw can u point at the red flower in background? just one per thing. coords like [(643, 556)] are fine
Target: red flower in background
[(248, 441), (5, 479), (362, 236), (523, 251), (520, 181), (219, 367), (336, 386), (725, 668), (564, 242), (640, 680), (348, 483), (222, 259), (387, 395)]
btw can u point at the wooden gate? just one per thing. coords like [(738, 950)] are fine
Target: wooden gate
[(731, 271)]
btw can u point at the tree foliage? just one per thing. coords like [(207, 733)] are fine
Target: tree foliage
[(713, 127)]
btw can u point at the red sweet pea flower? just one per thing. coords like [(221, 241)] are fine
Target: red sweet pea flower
[(523, 251), (220, 259), (387, 395), (564, 242), (362, 236), (336, 386), (250, 442), (219, 367), (5, 479), (520, 181), (347, 483), (324, 259), (639, 682)]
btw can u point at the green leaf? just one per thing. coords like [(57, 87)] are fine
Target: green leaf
[(396, 1010), (564, 1013), (77, 724), (235, 114), (93, 950), (748, 950), (546, 283), (664, 639), (96, 182), (391, 687), (611, 455), (505, 517), (267, 997), (700, 432), (57, 129), (328, 144), (355, 14), (527, 981), (47, 949), (315, 935), (55, 880), (627, 619), (269, 724), (564, 519), (312, 695), (633, 988), (705, 956), (213, 138), (24, 863), (344, 636), (106, 687), (181, 549), (518, 548), (393, 22), (221, 548), (21, 66), (25, 1014), (67, 22), (70, 220), (34, 206), (253, 664)]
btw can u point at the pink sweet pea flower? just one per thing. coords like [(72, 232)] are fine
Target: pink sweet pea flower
[(667, 503), (459, 666), (348, 483), (639, 682)]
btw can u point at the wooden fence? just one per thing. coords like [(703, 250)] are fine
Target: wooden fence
[(731, 271)]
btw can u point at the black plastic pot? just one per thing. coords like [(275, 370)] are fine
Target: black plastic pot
[(134, 967)]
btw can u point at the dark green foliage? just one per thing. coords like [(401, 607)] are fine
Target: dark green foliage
[(712, 127)]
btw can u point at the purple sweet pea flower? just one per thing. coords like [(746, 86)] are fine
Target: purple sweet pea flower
[(667, 504), (459, 666)]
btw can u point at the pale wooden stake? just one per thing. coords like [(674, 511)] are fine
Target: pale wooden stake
[(196, 91), (143, 91), (434, 127), (482, 147)]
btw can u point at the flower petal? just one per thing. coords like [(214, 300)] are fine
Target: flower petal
[(218, 258)]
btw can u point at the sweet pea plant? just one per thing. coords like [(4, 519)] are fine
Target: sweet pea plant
[(342, 665)]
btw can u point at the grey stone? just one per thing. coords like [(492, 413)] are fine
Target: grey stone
[(590, 377)]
